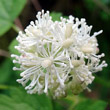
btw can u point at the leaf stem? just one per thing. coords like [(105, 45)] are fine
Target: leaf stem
[(102, 6), (17, 29), (19, 24)]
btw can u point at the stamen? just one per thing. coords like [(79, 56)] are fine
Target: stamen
[(67, 43), (87, 49), (76, 63), (68, 30), (46, 82), (46, 63)]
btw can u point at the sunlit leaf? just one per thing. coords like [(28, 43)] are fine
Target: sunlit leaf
[(9, 10), (56, 16)]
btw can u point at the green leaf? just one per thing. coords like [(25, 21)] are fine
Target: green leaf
[(14, 51), (18, 99), (7, 103), (90, 5), (80, 103), (9, 10), (104, 16), (56, 16), (57, 105), (4, 26), (12, 47), (102, 81), (105, 1), (91, 105), (5, 71)]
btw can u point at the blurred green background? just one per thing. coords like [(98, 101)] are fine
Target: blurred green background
[(17, 14)]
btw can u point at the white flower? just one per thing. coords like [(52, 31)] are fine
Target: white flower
[(57, 56), (45, 64)]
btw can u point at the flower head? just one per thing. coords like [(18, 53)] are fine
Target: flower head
[(57, 56)]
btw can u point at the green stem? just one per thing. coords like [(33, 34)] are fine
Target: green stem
[(17, 29), (102, 6)]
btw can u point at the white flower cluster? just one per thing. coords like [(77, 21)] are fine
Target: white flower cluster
[(57, 56)]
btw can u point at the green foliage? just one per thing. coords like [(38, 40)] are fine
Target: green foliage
[(80, 103), (14, 51), (15, 98), (104, 16), (56, 16), (90, 5), (5, 70), (91, 105), (100, 7), (105, 1), (12, 47), (9, 10), (18, 99), (57, 106)]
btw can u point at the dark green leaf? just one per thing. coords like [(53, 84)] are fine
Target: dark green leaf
[(5, 70), (104, 16), (91, 105), (90, 5)]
